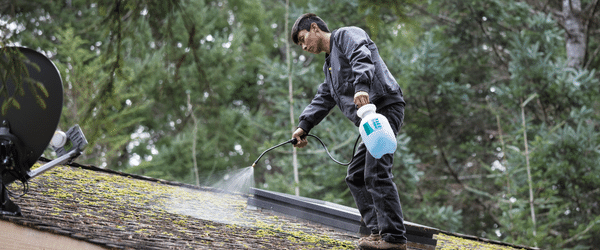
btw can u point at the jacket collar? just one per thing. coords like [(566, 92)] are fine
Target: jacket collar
[(330, 45)]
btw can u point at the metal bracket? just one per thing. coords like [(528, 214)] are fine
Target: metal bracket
[(58, 161), (77, 142)]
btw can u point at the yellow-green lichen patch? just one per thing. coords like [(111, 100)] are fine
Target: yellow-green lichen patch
[(294, 234), (448, 242), (113, 199), (137, 212), (103, 190)]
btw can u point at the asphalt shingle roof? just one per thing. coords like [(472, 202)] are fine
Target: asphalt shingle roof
[(122, 211), (127, 212)]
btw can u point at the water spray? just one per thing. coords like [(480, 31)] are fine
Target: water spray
[(242, 179), (293, 141)]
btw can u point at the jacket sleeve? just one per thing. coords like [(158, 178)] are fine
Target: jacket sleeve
[(318, 108), (354, 43)]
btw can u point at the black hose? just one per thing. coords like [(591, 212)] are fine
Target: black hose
[(294, 141), (271, 148)]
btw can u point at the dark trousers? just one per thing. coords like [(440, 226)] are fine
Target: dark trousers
[(371, 183)]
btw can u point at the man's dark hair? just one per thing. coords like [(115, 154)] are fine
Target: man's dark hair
[(303, 23)]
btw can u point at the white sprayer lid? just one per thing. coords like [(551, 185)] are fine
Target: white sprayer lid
[(366, 109)]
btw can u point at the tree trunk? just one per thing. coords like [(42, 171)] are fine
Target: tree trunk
[(291, 97), (194, 139), (576, 37), (529, 180)]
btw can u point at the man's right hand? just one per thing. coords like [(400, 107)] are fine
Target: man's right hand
[(361, 98), (300, 136)]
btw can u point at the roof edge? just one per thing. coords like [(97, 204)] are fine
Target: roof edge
[(480, 239)]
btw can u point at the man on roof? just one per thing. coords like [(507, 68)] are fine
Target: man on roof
[(355, 75)]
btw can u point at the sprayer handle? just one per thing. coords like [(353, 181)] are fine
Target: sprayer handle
[(294, 141)]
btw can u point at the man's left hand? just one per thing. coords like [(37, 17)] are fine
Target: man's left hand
[(361, 98)]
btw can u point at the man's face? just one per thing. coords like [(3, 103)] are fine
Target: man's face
[(309, 41)]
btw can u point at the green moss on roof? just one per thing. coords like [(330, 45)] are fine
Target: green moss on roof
[(123, 212), (447, 242)]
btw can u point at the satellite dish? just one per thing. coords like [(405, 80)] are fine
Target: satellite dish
[(32, 123), (31, 103)]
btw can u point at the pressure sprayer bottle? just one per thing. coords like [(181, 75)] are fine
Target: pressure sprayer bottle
[(376, 132)]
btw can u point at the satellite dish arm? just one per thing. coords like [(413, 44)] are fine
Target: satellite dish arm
[(78, 142)]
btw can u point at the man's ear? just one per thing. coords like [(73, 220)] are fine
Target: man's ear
[(314, 27)]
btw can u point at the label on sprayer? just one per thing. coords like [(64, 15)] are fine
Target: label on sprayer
[(376, 132)]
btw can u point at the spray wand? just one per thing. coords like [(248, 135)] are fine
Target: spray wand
[(293, 141)]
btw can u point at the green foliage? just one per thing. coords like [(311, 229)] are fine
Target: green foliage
[(13, 68), (467, 80), (109, 127), (445, 216), (380, 11), (465, 68), (567, 161)]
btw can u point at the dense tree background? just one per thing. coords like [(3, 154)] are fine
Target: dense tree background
[(501, 136)]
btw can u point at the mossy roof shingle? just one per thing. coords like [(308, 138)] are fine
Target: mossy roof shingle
[(123, 211), (118, 211)]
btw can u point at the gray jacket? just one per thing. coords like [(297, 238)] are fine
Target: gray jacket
[(353, 65)]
